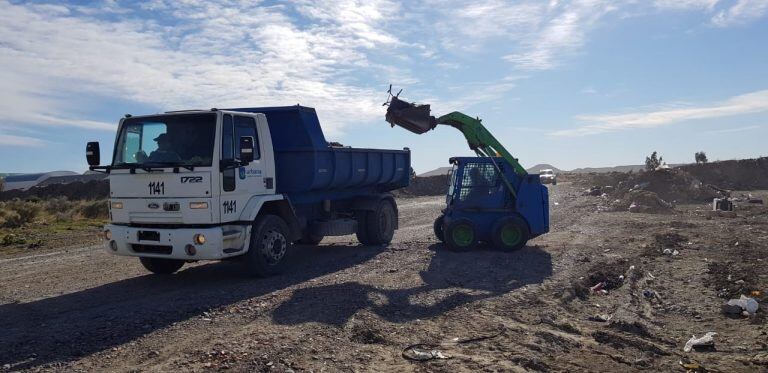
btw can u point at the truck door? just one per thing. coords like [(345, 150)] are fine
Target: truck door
[(238, 185)]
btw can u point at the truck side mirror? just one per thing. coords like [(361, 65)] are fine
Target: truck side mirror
[(93, 153), (246, 150)]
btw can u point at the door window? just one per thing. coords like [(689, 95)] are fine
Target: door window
[(227, 153), (246, 126)]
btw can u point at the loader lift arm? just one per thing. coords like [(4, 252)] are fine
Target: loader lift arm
[(479, 138)]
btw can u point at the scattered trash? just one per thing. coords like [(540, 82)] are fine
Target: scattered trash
[(755, 293), (722, 204), (691, 367), (706, 341), (598, 288), (756, 200), (648, 293), (743, 304), (600, 318), (423, 352), (667, 251), (427, 351), (675, 253)]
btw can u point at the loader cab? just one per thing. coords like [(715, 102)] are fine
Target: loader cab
[(475, 184)]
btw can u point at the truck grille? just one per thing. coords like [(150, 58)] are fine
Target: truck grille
[(152, 249)]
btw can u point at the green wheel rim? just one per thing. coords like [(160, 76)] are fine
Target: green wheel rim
[(463, 235), (511, 234)]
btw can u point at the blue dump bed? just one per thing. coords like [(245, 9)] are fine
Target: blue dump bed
[(306, 163)]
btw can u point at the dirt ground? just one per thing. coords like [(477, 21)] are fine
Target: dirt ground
[(346, 307)]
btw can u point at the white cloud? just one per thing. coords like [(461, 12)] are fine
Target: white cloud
[(22, 141), (215, 56), (753, 102), (734, 130), (744, 11), (562, 36), (685, 4)]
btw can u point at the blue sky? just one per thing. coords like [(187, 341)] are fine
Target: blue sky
[(571, 83)]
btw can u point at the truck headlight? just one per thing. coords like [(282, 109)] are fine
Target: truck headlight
[(198, 205), (199, 239), (117, 205), (107, 235)]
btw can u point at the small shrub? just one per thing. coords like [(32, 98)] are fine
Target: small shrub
[(652, 162), (12, 239), (95, 209), (60, 205), (16, 213), (701, 157)]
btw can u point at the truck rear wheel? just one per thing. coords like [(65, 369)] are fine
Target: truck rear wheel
[(460, 234), (437, 226), (161, 266), (510, 233), (268, 253), (378, 226)]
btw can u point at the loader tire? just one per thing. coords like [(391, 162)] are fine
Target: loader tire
[(379, 224), (460, 235), (438, 227), (270, 247), (161, 266), (510, 233)]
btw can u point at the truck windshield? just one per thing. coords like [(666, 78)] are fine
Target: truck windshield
[(167, 140)]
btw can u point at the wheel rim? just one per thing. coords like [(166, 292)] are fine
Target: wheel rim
[(511, 234), (463, 235), (274, 246)]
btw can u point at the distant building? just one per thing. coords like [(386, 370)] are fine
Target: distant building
[(26, 181)]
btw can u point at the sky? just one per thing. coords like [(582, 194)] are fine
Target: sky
[(570, 83)]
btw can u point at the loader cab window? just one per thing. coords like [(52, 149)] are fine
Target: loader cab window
[(478, 181)]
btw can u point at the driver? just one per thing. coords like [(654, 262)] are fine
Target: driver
[(164, 152)]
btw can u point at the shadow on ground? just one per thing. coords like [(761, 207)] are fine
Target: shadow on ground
[(451, 280), (70, 326)]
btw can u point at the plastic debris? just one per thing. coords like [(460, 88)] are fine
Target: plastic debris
[(598, 288), (600, 318), (667, 251), (743, 304), (648, 293), (705, 341), (419, 353)]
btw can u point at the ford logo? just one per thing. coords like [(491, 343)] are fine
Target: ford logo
[(153, 206)]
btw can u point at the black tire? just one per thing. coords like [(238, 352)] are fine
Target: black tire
[(438, 227), (270, 247), (460, 234), (362, 224), (161, 266), (379, 224), (310, 239), (554, 182), (510, 233)]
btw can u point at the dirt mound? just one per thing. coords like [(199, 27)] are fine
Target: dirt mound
[(90, 190), (642, 201), (743, 174), (425, 186)]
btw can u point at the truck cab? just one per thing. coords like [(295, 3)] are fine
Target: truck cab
[(204, 185)]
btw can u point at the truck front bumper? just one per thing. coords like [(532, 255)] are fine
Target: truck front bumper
[(178, 243)]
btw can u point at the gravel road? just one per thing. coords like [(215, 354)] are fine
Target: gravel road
[(346, 307)]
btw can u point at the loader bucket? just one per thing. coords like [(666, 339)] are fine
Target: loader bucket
[(414, 118)]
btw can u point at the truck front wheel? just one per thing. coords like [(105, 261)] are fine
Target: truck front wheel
[(378, 227), (268, 253), (161, 266)]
